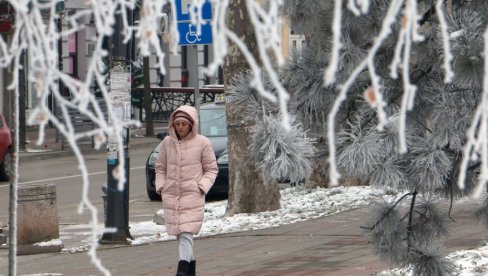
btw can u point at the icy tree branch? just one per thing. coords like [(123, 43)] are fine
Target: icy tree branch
[(147, 32), (476, 148), (409, 29), (330, 72), (449, 74), (36, 35), (362, 9)]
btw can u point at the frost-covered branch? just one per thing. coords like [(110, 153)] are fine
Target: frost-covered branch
[(147, 32), (476, 148), (331, 71), (409, 29), (449, 74), (266, 21), (36, 34)]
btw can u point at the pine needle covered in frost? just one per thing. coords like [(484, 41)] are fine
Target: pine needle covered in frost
[(389, 232), (450, 109), (431, 262), (467, 47), (246, 100), (359, 151), (390, 135), (300, 12), (280, 153), (450, 117), (430, 222), (389, 174), (429, 169), (303, 76)]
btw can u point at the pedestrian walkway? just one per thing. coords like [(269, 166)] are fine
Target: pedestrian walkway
[(333, 245)]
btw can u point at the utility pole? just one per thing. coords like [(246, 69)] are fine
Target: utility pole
[(117, 204), (193, 56)]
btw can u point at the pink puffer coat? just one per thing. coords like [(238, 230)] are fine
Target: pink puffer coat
[(185, 171)]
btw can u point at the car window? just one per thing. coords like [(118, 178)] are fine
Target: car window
[(213, 122)]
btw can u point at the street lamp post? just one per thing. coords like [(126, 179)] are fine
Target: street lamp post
[(117, 201)]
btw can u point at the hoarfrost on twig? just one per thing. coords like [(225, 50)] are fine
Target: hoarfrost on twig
[(476, 148)]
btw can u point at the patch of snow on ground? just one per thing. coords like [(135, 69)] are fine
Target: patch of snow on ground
[(54, 242), (297, 204)]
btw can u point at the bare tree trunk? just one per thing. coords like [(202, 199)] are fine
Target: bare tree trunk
[(247, 191)]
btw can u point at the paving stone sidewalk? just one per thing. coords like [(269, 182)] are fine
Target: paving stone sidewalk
[(333, 245)]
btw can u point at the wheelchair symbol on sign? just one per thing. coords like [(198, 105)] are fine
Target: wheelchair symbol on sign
[(191, 35)]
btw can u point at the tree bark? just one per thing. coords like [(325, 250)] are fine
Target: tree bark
[(248, 193)]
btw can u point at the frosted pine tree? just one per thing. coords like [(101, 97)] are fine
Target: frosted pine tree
[(416, 154)]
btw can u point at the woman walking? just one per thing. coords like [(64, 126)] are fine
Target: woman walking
[(185, 171)]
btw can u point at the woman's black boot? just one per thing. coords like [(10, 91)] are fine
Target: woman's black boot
[(183, 268), (193, 268)]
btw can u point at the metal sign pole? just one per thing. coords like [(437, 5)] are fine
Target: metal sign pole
[(189, 35), (193, 54)]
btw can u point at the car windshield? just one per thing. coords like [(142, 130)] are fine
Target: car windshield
[(212, 122)]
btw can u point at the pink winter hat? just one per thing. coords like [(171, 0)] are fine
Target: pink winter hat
[(182, 116)]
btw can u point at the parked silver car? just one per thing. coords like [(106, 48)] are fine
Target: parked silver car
[(213, 125)]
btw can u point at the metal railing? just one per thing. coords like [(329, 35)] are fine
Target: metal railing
[(166, 99)]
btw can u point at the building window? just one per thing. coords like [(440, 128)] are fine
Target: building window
[(72, 57)]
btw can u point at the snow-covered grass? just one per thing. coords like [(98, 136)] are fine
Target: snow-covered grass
[(297, 204), (468, 263)]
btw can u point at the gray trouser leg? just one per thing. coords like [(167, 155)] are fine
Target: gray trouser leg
[(185, 246)]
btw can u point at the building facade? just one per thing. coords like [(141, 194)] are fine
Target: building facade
[(77, 49)]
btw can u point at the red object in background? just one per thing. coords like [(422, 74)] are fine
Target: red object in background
[(5, 146), (6, 17), (5, 26), (184, 78)]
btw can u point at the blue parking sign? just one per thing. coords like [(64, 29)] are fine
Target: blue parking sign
[(183, 10), (189, 36)]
